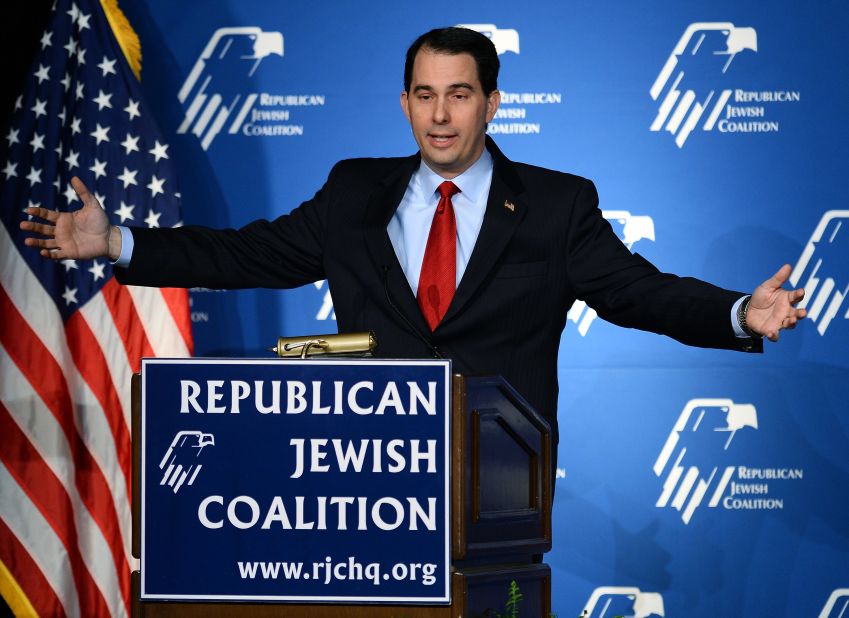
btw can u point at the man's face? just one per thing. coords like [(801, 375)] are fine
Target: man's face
[(448, 111)]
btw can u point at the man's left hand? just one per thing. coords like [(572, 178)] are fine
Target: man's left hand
[(772, 308)]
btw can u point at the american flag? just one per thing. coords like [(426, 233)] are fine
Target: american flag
[(70, 335)]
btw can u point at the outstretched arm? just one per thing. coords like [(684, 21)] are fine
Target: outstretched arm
[(772, 308), (78, 235)]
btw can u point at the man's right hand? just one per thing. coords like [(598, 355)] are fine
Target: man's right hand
[(78, 235)]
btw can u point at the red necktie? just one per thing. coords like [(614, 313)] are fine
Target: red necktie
[(438, 278)]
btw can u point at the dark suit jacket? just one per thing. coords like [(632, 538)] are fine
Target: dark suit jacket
[(543, 244)]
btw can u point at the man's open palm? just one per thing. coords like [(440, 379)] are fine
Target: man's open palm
[(773, 308), (77, 235)]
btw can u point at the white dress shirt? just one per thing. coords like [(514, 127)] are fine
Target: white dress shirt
[(410, 225)]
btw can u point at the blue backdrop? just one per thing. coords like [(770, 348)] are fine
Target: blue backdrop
[(692, 482)]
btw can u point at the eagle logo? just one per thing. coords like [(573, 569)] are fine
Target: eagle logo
[(630, 229), (180, 464), (837, 604), (687, 84), (704, 431), (504, 39), (823, 270), (624, 601), (214, 89)]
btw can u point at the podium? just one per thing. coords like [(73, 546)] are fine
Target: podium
[(499, 523)]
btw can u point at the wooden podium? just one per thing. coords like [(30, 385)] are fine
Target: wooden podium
[(500, 515)]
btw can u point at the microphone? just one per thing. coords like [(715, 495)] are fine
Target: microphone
[(432, 348), (434, 351)]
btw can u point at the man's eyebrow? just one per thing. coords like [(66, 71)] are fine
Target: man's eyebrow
[(457, 86)]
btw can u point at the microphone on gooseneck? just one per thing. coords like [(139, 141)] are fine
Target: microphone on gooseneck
[(434, 351), (432, 348)]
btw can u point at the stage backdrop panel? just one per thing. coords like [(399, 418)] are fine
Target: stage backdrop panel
[(692, 482)]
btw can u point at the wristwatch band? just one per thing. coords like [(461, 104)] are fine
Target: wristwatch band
[(742, 313)]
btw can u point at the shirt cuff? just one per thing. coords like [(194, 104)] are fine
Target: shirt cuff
[(127, 245), (735, 323)]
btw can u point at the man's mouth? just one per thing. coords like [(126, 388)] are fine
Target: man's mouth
[(441, 139)]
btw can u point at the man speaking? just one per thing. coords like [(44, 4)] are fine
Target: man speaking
[(453, 252)]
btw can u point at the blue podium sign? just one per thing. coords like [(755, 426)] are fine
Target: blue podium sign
[(288, 480)]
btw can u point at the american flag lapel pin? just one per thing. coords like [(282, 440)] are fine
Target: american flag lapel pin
[(509, 205)]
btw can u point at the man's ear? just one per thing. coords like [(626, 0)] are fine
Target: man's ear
[(405, 105), (492, 103)]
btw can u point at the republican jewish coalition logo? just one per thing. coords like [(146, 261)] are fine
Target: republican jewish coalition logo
[(504, 39), (697, 85), (700, 461), (823, 270), (630, 229), (219, 96), (180, 463), (837, 605), (520, 111), (208, 92), (625, 601)]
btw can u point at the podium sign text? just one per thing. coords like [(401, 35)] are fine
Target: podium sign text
[(287, 480)]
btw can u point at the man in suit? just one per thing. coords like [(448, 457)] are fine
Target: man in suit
[(455, 252)]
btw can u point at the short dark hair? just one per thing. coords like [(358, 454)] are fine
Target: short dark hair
[(455, 41)]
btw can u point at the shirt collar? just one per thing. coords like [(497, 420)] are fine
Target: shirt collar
[(471, 183)]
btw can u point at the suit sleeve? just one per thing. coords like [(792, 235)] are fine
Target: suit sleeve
[(284, 253), (627, 290)]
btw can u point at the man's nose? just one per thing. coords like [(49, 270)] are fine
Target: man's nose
[(440, 112)]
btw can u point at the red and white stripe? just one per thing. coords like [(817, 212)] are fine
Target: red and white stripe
[(66, 455)]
